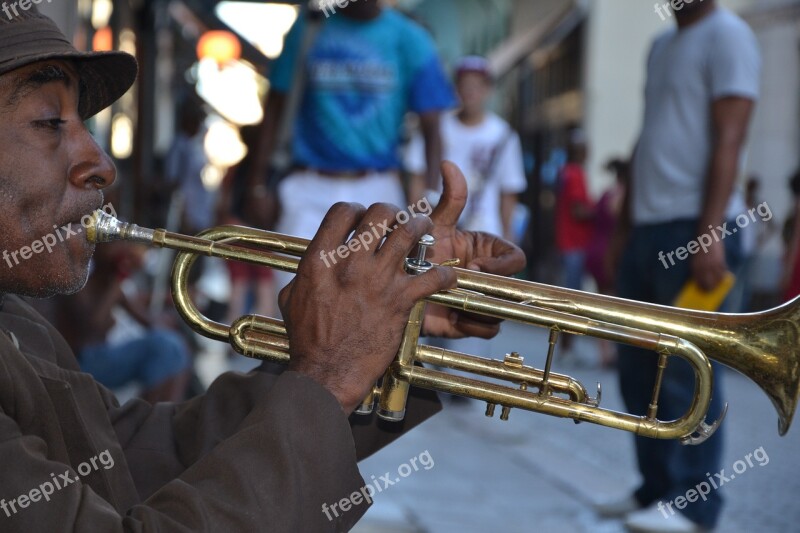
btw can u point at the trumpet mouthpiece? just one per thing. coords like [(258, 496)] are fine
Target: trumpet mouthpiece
[(106, 228)]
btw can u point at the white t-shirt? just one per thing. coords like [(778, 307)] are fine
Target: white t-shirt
[(489, 155), (687, 70)]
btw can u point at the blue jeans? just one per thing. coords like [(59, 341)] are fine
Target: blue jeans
[(149, 360), (668, 468), (573, 262)]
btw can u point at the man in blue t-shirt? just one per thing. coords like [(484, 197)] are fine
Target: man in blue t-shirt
[(366, 68)]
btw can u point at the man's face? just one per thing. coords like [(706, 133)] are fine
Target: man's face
[(51, 175), (690, 8), (473, 90), (361, 8)]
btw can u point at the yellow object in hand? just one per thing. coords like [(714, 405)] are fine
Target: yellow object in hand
[(693, 297)]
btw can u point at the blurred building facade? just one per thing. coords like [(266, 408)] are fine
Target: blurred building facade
[(618, 34), (566, 64), (561, 64)]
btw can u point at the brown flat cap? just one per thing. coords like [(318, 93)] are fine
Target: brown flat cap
[(27, 36)]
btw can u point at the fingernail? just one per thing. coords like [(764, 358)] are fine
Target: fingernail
[(453, 318), (474, 266)]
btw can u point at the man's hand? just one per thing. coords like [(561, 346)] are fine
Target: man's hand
[(476, 251), (345, 314), (709, 269)]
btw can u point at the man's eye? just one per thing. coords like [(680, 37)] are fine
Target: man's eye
[(52, 124)]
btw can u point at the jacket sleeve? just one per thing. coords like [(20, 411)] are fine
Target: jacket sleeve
[(371, 433), (291, 454), (161, 441)]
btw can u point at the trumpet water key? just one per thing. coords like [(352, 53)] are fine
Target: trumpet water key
[(761, 346)]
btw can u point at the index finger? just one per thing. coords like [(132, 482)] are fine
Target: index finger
[(435, 280), (337, 225), (403, 239)]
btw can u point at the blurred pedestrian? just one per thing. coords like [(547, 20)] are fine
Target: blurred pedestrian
[(753, 238), (489, 153), (485, 147), (157, 359), (790, 283), (184, 166), (606, 215), (574, 213), (703, 80), (232, 209), (366, 67)]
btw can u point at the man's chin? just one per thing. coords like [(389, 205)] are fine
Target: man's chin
[(47, 285), (50, 291)]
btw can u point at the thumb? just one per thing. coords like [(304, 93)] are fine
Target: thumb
[(454, 196)]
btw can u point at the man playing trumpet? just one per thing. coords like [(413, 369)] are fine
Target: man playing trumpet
[(256, 452)]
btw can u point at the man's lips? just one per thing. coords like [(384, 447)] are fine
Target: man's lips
[(74, 226), (77, 221)]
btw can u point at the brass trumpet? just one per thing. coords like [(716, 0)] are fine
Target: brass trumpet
[(761, 346)]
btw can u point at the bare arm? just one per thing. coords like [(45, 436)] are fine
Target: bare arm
[(622, 229), (273, 115), (730, 120), (260, 207), (508, 202), (134, 311)]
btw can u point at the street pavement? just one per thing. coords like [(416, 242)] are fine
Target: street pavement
[(540, 473)]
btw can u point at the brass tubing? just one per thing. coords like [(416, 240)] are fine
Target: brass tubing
[(551, 350), (484, 305), (552, 405), (492, 368), (763, 346), (259, 338), (652, 410), (394, 391), (639, 425)]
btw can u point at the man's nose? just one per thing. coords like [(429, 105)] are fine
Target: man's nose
[(92, 167)]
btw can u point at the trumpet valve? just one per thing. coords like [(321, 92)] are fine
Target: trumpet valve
[(490, 409), (513, 360), (420, 265), (368, 404), (595, 402)]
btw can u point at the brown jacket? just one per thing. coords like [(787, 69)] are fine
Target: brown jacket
[(255, 453)]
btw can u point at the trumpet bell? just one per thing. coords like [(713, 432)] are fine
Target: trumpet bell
[(768, 353)]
